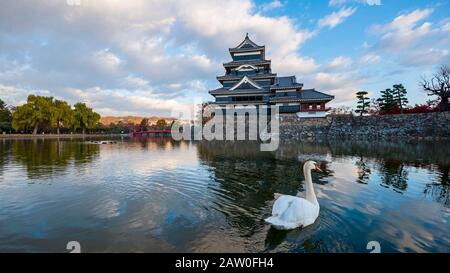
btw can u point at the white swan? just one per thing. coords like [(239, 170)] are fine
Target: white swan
[(290, 212)]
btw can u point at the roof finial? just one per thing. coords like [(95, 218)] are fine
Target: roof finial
[(246, 35)]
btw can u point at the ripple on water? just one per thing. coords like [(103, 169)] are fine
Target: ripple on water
[(143, 196)]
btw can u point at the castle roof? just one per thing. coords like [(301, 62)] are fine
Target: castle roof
[(246, 45), (286, 83)]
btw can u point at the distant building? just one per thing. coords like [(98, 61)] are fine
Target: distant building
[(249, 80)]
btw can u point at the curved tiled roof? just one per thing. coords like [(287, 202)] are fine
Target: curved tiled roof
[(304, 95), (224, 91), (255, 76), (286, 83), (247, 44), (238, 63)]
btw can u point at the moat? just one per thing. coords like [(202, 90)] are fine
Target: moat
[(158, 195)]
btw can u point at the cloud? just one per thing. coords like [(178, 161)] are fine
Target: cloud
[(163, 49), (131, 56), (106, 60), (403, 31), (340, 62), (369, 58), (272, 5), (336, 17), (342, 2), (426, 56), (124, 102), (342, 85), (411, 40)]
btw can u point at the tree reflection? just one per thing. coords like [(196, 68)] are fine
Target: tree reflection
[(5, 149), (363, 171), (439, 190), (48, 157), (157, 143), (249, 178), (394, 175)]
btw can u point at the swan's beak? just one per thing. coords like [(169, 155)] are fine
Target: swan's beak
[(318, 169)]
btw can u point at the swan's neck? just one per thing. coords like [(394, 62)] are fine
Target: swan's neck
[(310, 195)]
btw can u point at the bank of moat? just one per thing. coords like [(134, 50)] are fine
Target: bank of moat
[(426, 126), (249, 80)]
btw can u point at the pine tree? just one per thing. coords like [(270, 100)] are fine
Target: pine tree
[(386, 101), (363, 102), (399, 94)]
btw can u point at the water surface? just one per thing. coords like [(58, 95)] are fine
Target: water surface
[(158, 195)]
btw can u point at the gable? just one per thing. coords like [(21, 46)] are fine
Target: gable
[(246, 83)]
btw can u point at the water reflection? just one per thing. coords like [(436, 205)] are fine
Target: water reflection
[(394, 175), (439, 190), (156, 194), (386, 165), (50, 157), (363, 170)]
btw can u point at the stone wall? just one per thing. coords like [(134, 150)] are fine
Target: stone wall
[(428, 126)]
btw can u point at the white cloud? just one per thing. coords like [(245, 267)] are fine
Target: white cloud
[(336, 17), (135, 82), (340, 62), (342, 85), (17, 95), (446, 27), (293, 64), (404, 31), (168, 48), (124, 102), (412, 41), (426, 56), (106, 59), (369, 58), (275, 4), (367, 2)]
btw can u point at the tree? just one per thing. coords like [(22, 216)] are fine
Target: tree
[(5, 117), (363, 102), (161, 124), (33, 114), (386, 101), (143, 126), (62, 114), (84, 118), (341, 110), (439, 85), (399, 95), (374, 108)]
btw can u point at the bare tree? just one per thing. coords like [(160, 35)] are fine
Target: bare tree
[(439, 85)]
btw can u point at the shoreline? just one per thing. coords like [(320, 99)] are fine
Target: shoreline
[(31, 136)]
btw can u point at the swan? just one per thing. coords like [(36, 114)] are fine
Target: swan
[(290, 212)]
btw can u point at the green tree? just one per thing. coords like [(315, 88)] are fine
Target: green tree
[(33, 114), (84, 118), (143, 126), (386, 101), (161, 124), (62, 115), (363, 102), (399, 95), (5, 117)]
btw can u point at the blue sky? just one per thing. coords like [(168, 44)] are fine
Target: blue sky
[(143, 57)]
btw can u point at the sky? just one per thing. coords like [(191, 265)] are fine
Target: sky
[(149, 57)]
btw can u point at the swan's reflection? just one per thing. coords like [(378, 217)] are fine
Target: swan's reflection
[(247, 178)]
